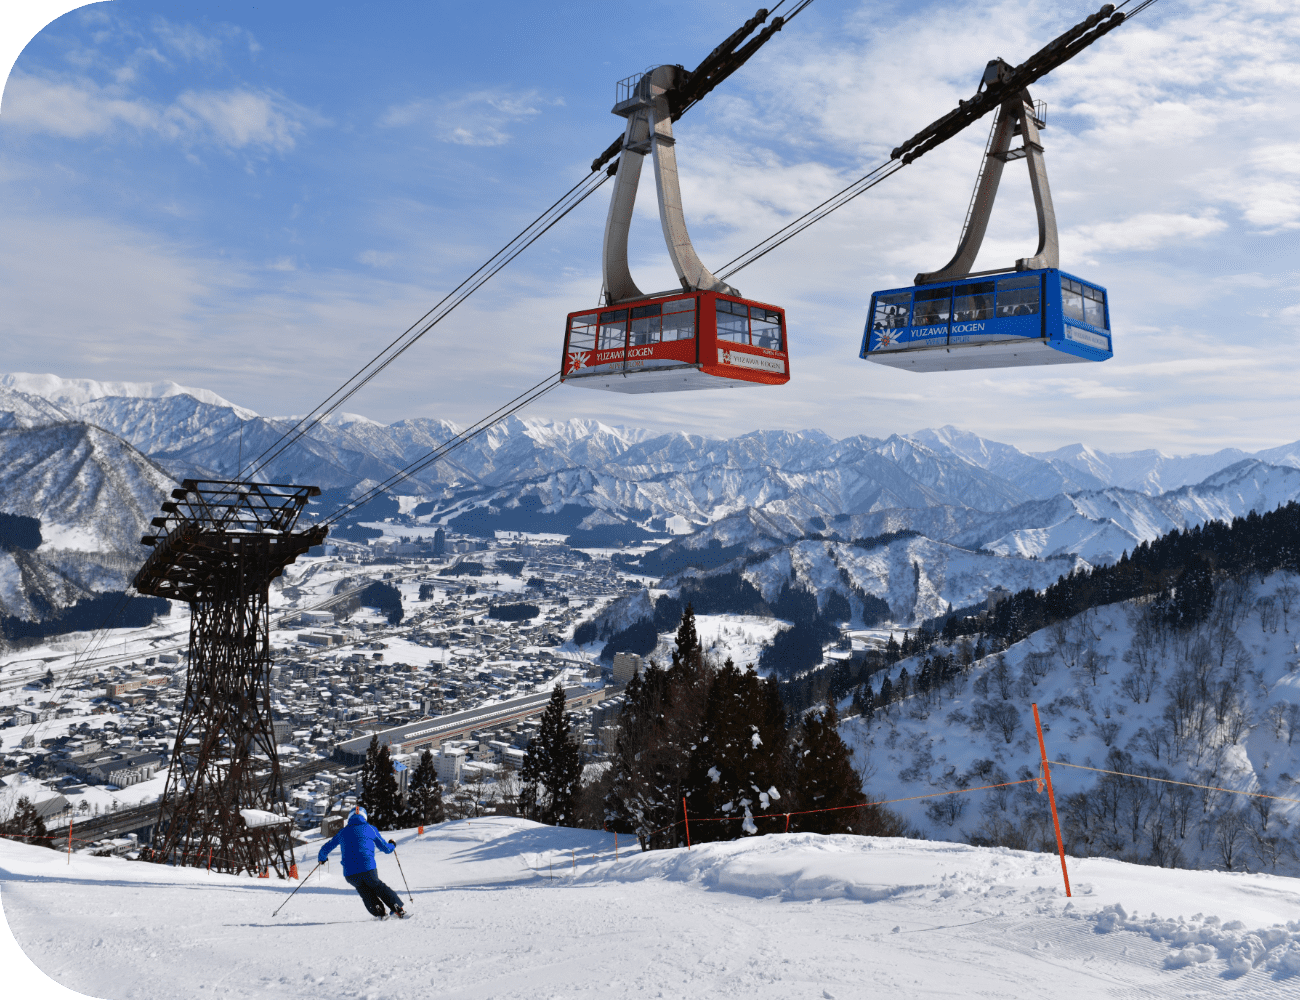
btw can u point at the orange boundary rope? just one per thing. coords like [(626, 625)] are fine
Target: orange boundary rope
[(1170, 781), (860, 805)]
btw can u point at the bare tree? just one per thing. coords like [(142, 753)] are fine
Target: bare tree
[(947, 810), (1094, 664), (1107, 731), (1131, 685), (1286, 596), (1268, 848), (1005, 719), (1001, 677), (1036, 666), (1266, 608), (1263, 807), (1230, 833)]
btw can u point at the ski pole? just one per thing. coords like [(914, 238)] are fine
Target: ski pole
[(409, 897), (295, 891)]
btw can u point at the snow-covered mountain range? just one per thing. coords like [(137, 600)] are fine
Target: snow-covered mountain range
[(757, 491), (94, 495)]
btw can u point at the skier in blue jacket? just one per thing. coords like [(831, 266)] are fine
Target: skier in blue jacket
[(358, 840)]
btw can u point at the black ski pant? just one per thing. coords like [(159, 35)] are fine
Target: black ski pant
[(374, 893)]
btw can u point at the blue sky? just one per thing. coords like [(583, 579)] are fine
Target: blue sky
[(254, 198)]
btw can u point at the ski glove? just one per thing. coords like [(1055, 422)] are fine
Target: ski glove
[(392, 843)]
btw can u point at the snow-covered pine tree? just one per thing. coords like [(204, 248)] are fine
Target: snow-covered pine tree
[(424, 798), (824, 777), (388, 804), (864, 702), (738, 765), (552, 772), (367, 796), (662, 714)]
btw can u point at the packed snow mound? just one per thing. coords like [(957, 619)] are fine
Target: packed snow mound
[(508, 908)]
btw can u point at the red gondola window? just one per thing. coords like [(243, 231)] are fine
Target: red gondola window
[(613, 330), (765, 328), (582, 332), (743, 324), (663, 322)]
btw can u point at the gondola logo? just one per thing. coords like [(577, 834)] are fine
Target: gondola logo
[(578, 359), (884, 338), (736, 358)]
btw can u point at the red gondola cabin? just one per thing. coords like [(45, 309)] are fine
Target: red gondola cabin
[(692, 340)]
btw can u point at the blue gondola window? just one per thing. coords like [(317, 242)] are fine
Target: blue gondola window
[(1018, 297), (765, 328), (933, 306), (1083, 303), (973, 303)]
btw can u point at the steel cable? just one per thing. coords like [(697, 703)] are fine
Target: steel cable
[(572, 198)]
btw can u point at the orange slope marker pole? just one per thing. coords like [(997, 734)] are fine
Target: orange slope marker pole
[(1051, 797), (69, 840), (687, 820)]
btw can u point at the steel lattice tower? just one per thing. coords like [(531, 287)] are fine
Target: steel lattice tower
[(224, 542)]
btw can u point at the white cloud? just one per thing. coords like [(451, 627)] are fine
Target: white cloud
[(188, 41), (234, 119), (238, 118), (1144, 231), (477, 119)]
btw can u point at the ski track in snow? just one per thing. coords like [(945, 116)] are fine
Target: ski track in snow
[(501, 912)]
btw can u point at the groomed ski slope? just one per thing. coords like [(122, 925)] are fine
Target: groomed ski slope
[(795, 915)]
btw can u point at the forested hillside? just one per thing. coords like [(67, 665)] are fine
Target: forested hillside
[(1179, 662)]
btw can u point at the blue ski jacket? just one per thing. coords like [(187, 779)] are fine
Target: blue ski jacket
[(358, 840)]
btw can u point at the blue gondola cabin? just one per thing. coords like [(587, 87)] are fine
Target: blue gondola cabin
[(1010, 320)]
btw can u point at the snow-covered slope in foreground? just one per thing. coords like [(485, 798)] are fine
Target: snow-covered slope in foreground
[(504, 909)]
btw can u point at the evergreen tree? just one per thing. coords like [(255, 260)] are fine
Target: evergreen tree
[(424, 799), (368, 796), (663, 712), (552, 772), (864, 702), (824, 777), (387, 810), (886, 692), (738, 765), (25, 825), (688, 650)]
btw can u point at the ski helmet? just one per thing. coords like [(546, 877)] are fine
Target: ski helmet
[(361, 811)]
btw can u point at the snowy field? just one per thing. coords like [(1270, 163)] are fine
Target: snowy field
[(506, 908)]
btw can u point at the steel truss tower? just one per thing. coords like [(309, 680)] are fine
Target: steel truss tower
[(222, 545)]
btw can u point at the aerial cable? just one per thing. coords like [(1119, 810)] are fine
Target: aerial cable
[(463, 437), (716, 67), (1011, 80), (815, 214), (526, 238)]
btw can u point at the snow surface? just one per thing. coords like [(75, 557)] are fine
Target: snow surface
[(507, 908)]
